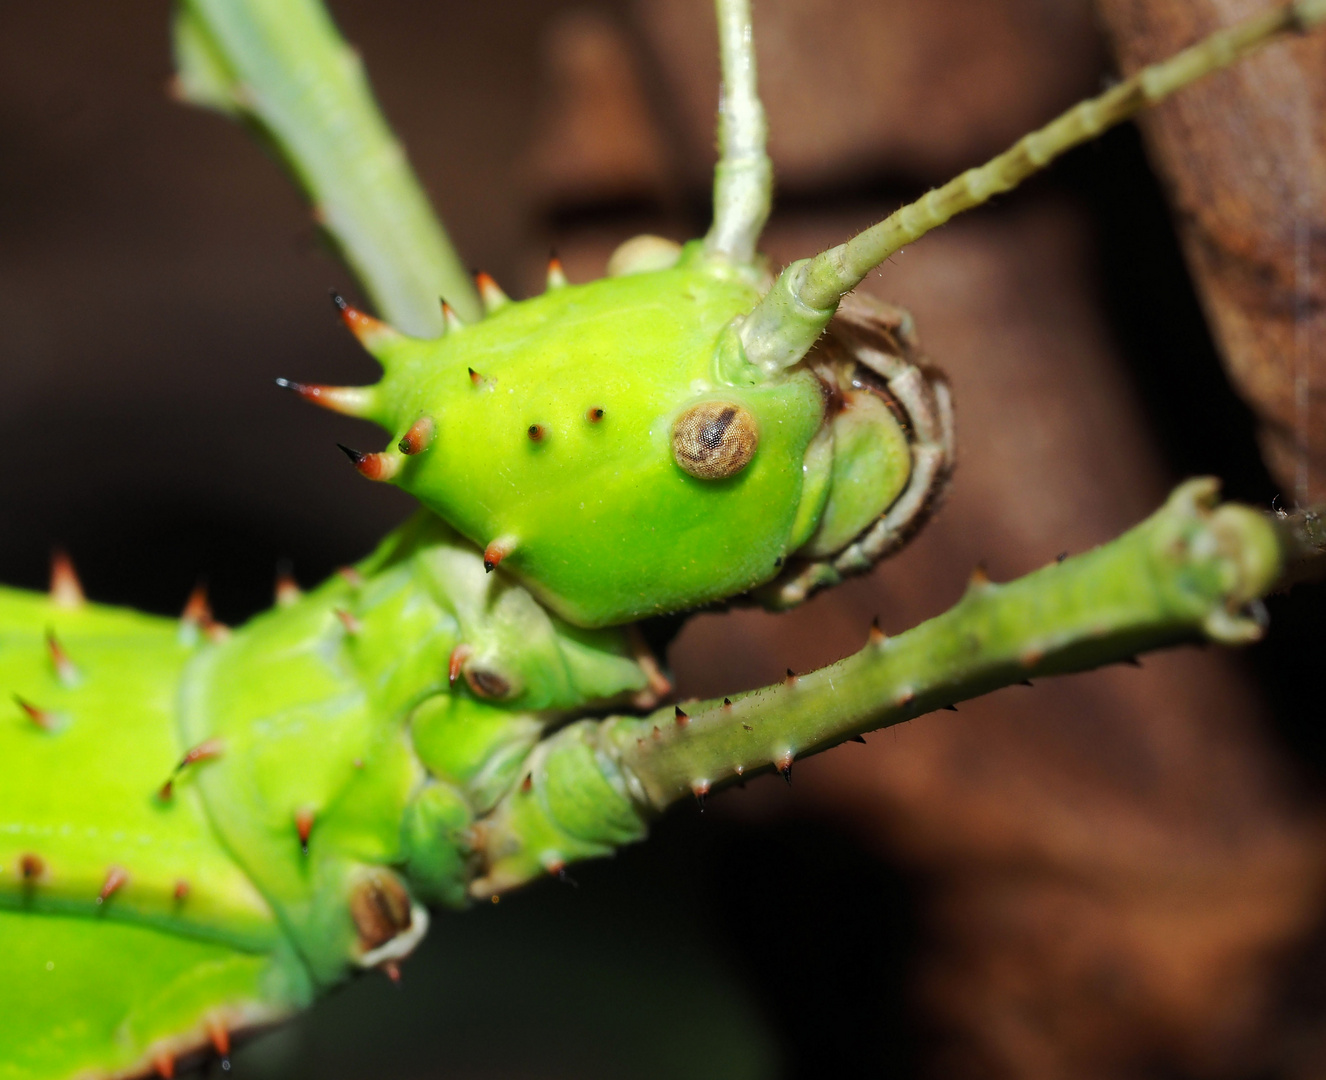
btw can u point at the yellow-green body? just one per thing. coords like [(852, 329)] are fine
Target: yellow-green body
[(338, 705), (200, 831)]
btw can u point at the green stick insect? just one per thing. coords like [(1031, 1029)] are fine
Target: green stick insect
[(202, 830)]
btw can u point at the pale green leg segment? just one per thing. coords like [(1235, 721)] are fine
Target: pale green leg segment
[(283, 65), (801, 303), (1188, 572)]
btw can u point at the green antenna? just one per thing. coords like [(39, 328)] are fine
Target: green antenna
[(789, 320), (743, 176)]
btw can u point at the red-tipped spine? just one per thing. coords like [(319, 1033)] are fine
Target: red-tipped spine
[(197, 614), (556, 275), (419, 438), (456, 664), (498, 550), (287, 591), (164, 1064), (219, 1036), (43, 718), (116, 879), (303, 827), (450, 320), (197, 610), (66, 671), (66, 589), (364, 327), (490, 293), (381, 466), (347, 400), (207, 750)]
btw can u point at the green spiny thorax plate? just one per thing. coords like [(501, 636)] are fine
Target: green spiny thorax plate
[(603, 524), (85, 804)]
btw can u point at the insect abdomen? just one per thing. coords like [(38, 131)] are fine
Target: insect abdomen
[(127, 933)]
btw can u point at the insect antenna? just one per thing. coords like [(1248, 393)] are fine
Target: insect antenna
[(790, 318), (743, 177)]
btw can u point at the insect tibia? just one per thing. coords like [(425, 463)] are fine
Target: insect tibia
[(284, 68), (1191, 570)]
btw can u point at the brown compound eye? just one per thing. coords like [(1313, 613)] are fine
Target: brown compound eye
[(488, 684), (714, 439), (380, 907)]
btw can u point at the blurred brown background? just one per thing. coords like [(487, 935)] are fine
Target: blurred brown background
[(1112, 875)]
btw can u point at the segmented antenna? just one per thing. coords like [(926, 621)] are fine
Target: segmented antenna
[(743, 177), (788, 320)]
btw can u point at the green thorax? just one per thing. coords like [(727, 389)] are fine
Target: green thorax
[(343, 744), (352, 755), (552, 427)]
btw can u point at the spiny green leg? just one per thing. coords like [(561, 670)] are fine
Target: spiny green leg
[(743, 176), (282, 65), (802, 301), (1190, 571)]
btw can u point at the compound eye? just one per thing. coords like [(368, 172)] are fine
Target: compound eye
[(714, 439)]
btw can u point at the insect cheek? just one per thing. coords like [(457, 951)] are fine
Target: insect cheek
[(713, 440)]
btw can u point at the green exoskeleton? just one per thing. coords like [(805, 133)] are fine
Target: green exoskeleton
[(203, 829)]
